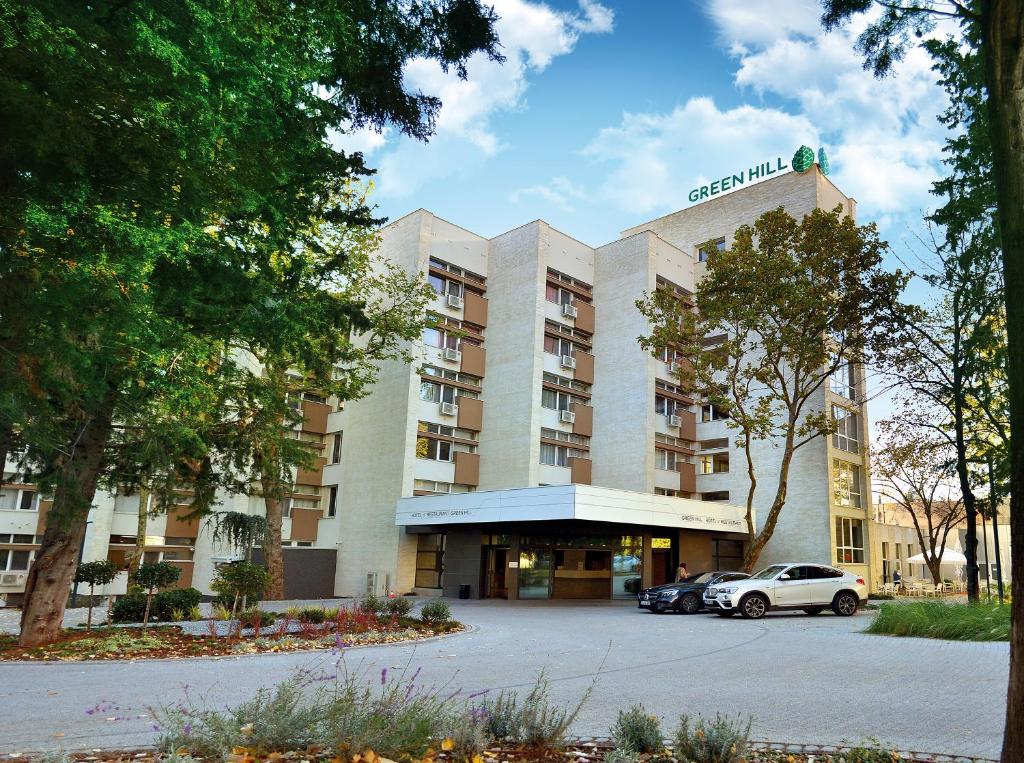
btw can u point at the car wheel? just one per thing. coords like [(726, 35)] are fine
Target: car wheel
[(845, 604), (814, 610), (688, 605), (725, 613), (754, 606)]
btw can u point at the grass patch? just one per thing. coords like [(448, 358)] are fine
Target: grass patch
[(936, 619)]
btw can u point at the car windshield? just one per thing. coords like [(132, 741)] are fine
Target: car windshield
[(703, 577), (768, 572)]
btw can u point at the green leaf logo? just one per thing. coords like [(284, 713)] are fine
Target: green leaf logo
[(803, 159), (823, 161)]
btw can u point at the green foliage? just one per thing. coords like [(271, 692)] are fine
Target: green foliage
[(636, 731), (315, 615), (131, 607), (868, 754), (372, 605), (240, 579), (436, 612), (238, 529), (531, 721), (118, 641), (156, 575), (398, 606), (96, 573), (722, 740), (936, 619), (252, 617)]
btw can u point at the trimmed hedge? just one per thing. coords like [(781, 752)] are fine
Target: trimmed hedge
[(131, 607)]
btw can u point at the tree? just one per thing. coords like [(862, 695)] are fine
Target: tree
[(997, 28), (154, 577), (240, 580), (168, 138), (95, 573), (788, 306), (916, 470)]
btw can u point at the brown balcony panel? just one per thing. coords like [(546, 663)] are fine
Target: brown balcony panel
[(471, 413), (181, 528), (44, 507), (315, 417), (584, 367), (314, 476), (474, 308), (305, 523), (583, 423), (687, 477), (579, 470), (585, 317), (467, 468), (186, 567), (474, 359), (688, 425)]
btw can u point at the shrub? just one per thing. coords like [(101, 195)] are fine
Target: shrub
[(881, 596), (637, 731), (240, 580), (719, 741), (131, 608), (254, 617), (436, 612), (937, 619), (398, 607), (313, 615), (533, 723), (152, 578), (871, 754), (95, 573), (467, 734), (372, 605)]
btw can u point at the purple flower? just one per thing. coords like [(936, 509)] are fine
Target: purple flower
[(383, 676), (186, 729), (155, 727)]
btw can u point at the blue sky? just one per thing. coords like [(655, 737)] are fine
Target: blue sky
[(607, 113)]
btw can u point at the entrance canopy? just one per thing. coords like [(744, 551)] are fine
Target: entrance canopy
[(562, 502), (949, 556)]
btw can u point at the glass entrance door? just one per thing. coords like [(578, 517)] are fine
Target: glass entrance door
[(535, 573), (495, 581)]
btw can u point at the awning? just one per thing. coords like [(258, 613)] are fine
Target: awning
[(949, 556), (568, 502)]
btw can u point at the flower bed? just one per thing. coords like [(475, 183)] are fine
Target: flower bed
[(342, 628)]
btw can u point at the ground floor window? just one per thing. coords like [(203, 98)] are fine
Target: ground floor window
[(429, 560), (14, 559), (849, 541), (726, 554)]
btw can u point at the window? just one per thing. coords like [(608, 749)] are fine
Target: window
[(666, 491), (557, 455), (556, 401), (666, 459), (430, 486), (668, 439), (564, 381), (716, 463), (710, 412), (447, 373), (715, 495), (435, 337), (557, 434), (332, 502), (726, 554), (554, 345), (429, 560), (435, 450), (665, 405), (433, 392), (846, 482), (849, 541), (27, 501), (559, 296), (336, 449), (712, 247), (844, 381), (13, 560), (847, 436)]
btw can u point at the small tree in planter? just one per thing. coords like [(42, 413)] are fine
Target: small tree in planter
[(95, 573), (240, 580), (154, 577)]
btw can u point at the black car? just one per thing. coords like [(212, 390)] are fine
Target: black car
[(685, 596)]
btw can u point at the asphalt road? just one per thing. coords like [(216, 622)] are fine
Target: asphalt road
[(816, 680)]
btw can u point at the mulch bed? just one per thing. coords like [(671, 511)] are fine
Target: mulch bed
[(163, 642)]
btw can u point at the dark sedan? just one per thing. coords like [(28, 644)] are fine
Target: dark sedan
[(687, 595)]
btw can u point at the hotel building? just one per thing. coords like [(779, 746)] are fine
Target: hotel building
[(534, 449)]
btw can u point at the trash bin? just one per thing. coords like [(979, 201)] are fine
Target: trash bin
[(464, 591)]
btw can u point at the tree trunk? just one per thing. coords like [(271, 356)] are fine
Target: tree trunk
[(933, 567), (141, 527), (88, 618), (1003, 38), (758, 544), (273, 555), (49, 580), (145, 615)]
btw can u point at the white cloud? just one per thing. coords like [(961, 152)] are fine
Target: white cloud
[(532, 35), (364, 140), (560, 192)]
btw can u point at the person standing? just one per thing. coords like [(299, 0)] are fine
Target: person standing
[(681, 572)]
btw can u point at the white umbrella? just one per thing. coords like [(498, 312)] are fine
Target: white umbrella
[(949, 556)]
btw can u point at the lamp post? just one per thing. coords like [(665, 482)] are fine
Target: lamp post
[(81, 551)]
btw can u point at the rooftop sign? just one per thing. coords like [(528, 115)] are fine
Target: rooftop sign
[(802, 161)]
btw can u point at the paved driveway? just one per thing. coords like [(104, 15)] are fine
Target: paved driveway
[(803, 679)]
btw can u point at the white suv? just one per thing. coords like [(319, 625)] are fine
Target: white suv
[(810, 587)]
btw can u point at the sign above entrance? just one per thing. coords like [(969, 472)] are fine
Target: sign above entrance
[(802, 161)]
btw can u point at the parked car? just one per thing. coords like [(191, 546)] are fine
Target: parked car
[(810, 587), (686, 595)]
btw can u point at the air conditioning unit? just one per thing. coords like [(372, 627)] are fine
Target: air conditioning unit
[(567, 417), (569, 310), (568, 361), (674, 421), (12, 578), (453, 355), (376, 583), (449, 409), (454, 300)]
